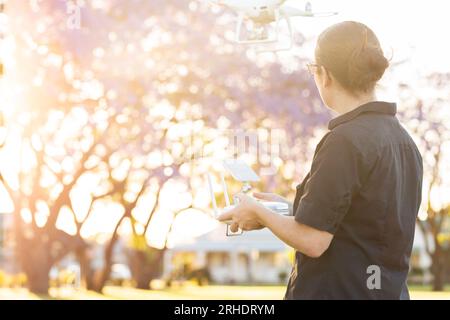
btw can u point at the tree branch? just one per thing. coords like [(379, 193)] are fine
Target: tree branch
[(155, 206), (63, 197), (173, 221)]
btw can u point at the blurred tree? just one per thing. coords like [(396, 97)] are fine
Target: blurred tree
[(146, 262), (113, 110), (423, 113)]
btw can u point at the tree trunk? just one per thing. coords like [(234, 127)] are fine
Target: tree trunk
[(101, 276), (36, 264), (438, 269), (38, 282), (145, 265), (86, 272), (141, 275)]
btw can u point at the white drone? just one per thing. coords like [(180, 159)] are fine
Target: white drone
[(263, 13)]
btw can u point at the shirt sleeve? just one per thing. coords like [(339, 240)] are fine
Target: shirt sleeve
[(334, 179)]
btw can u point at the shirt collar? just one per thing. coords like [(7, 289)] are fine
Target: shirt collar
[(371, 107)]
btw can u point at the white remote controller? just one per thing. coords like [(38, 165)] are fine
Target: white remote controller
[(241, 172)]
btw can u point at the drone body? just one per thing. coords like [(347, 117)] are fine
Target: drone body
[(262, 13)]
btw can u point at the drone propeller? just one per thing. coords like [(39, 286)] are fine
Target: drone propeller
[(294, 12), (249, 3)]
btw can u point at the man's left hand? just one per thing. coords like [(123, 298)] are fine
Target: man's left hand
[(244, 215)]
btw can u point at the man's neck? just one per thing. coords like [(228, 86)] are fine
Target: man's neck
[(348, 103)]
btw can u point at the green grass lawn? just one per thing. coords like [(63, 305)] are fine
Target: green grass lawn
[(189, 292)]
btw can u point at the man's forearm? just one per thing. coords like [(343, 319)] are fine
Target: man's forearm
[(305, 239)]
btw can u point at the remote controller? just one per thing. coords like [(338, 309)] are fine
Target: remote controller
[(241, 172)]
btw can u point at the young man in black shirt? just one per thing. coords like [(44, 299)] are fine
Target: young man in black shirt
[(354, 214)]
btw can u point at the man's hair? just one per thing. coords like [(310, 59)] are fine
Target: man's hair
[(351, 52)]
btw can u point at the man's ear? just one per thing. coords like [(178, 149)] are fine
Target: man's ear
[(326, 78)]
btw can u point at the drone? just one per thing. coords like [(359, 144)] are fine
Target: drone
[(263, 13)]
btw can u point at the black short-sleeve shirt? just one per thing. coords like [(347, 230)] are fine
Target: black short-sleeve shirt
[(364, 187)]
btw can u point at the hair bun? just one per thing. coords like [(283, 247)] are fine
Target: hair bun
[(366, 68)]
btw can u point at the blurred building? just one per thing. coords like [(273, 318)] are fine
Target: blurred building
[(6, 249), (254, 257)]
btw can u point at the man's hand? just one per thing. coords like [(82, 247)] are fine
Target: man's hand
[(251, 215), (244, 215), (246, 226)]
